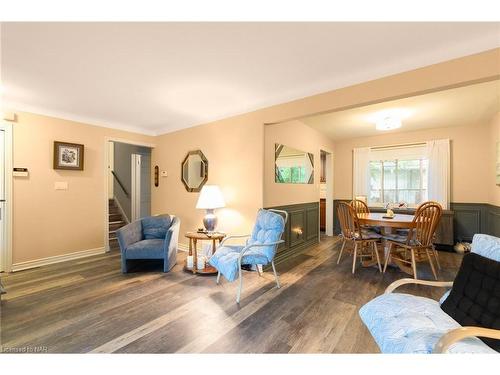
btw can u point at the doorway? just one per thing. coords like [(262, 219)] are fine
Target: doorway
[(128, 178), (326, 193), (5, 196)]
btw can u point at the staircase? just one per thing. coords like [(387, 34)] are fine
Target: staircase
[(116, 221)]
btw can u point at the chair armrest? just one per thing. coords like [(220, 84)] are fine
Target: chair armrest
[(398, 283), (248, 247), (458, 334), (129, 234), (234, 236), (172, 235)]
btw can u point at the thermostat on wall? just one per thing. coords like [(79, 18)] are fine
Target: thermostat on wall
[(20, 172)]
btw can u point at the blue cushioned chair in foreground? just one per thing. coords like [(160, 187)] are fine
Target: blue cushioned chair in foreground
[(259, 249), (403, 323), (153, 237)]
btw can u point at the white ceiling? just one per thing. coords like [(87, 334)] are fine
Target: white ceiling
[(469, 105), (159, 77)]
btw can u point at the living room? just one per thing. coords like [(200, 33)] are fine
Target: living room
[(401, 145)]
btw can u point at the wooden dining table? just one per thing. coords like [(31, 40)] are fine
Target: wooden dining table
[(401, 221), (377, 219)]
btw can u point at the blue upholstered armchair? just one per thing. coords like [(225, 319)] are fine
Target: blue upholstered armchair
[(153, 237), (259, 249)]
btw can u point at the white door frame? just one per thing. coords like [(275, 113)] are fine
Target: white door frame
[(135, 164), (6, 255), (105, 179), (329, 190)]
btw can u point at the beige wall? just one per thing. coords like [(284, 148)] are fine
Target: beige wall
[(302, 137), (234, 150), (48, 222), (494, 137), (469, 156)]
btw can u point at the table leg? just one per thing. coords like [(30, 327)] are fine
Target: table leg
[(190, 247), (195, 256), (213, 246)]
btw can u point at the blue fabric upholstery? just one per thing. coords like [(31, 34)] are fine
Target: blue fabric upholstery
[(145, 249), (268, 228), (486, 246), (402, 323), (155, 227), (138, 240), (225, 260)]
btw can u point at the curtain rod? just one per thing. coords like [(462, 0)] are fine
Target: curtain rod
[(398, 146)]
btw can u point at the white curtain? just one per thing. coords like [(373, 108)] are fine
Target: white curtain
[(361, 160), (438, 153)]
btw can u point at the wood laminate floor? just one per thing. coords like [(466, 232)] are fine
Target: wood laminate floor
[(87, 305)]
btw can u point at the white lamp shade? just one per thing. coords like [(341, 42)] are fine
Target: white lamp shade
[(210, 198)]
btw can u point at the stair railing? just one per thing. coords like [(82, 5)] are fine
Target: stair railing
[(120, 183)]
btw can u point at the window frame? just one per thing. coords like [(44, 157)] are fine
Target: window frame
[(396, 161)]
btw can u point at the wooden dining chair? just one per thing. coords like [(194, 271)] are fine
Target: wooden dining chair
[(359, 206), (364, 241), (417, 245), (405, 231), (434, 251)]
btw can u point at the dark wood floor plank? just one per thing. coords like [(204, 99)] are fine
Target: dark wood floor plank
[(88, 305)]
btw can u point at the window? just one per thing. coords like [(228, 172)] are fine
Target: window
[(293, 175), (393, 181)]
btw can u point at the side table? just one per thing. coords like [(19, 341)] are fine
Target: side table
[(194, 237)]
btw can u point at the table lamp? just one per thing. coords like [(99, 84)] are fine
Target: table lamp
[(210, 198)]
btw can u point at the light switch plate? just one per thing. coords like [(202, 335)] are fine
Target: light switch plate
[(61, 185)]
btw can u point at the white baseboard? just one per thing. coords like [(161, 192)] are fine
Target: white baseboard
[(57, 259)]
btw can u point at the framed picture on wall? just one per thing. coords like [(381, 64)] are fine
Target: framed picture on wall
[(68, 156)]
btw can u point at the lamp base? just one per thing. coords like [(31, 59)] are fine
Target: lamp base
[(210, 221)]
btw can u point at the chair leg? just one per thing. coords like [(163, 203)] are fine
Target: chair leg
[(378, 257), (431, 263), (341, 250), (387, 256), (413, 264), (276, 275), (240, 286), (436, 255), (257, 267), (124, 265), (354, 256), (218, 278)]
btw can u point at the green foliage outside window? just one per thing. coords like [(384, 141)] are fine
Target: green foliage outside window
[(292, 175)]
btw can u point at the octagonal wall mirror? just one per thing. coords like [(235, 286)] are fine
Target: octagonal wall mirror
[(293, 166), (194, 173)]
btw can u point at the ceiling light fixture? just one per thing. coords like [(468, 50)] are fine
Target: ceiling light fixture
[(388, 123)]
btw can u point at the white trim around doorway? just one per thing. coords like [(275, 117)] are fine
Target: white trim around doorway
[(106, 163), (7, 227), (329, 190)]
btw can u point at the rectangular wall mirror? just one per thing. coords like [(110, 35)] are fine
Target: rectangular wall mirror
[(293, 166)]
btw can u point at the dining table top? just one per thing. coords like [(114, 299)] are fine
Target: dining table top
[(378, 219)]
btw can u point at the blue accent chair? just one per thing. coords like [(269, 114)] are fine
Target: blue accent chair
[(403, 323), (153, 237), (259, 249)]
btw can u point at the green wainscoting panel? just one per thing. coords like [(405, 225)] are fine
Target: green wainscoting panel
[(302, 229)]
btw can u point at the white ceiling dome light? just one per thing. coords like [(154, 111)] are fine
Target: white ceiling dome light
[(388, 123)]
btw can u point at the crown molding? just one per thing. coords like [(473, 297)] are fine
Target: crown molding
[(22, 107)]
